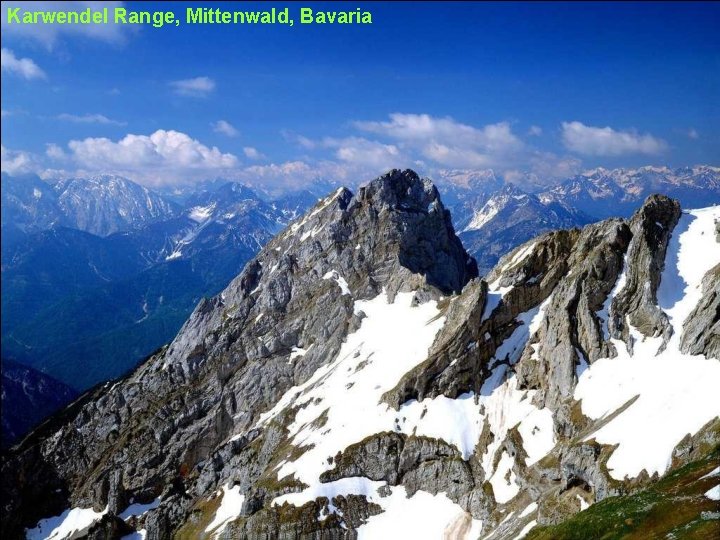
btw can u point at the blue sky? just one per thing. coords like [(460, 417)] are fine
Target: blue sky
[(549, 89)]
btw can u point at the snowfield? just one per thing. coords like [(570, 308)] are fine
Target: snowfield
[(676, 393), (340, 405)]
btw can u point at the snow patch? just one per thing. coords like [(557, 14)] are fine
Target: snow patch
[(297, 352), (137, 535), (421, 517), (201, 214), (526, 529), (714, 493), (230, 508), (529, 510), (138, 509), (714, 472), (73, 523), (334, 275), (503, 480)]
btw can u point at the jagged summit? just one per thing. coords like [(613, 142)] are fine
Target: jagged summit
[(357, 372)]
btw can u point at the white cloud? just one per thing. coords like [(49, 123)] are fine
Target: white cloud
[(252, 153), (451, 156), (23, 67), (49, 34), (448, 142), (224, 127), (693, 134), (360, 151), (15, 162), (197, 87), (535, 131), (89, 119), (163, 157), (276, 178), (605, 141), (424, 128), (53, 151)]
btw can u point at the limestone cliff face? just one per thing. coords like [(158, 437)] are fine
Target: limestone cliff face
[(358, 364)]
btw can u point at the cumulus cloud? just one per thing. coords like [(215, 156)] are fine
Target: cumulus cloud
[(447, 141), (276, 178), (15, 162), (606, 141), (224, 127), (197, 87), (49, 34), (425, 128), (361, 151), (89, 119), (693, 134), (22, 67), (252, 153), (163, 157), (452, 156), (53, 151)]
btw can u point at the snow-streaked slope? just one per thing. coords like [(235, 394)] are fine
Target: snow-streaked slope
[(676, 393), (392, 339), (340, 404), (691, 253)]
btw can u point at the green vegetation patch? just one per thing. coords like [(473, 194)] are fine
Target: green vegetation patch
[(675, 508)]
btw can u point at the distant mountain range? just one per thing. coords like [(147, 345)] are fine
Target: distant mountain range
[(604, 193), (98, 273), (99, 205), (105, 302), (492, 217)]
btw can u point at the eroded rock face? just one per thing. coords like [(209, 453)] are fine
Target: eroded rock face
[(701, 333), (636, 304), (572, 334), (187, 425), (460, 360)]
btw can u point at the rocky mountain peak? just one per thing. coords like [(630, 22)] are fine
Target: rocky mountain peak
[(400, 190), (394, 235)]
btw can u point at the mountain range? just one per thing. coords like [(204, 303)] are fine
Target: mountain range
[(120, 296), (358, 378), (109, 270)]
